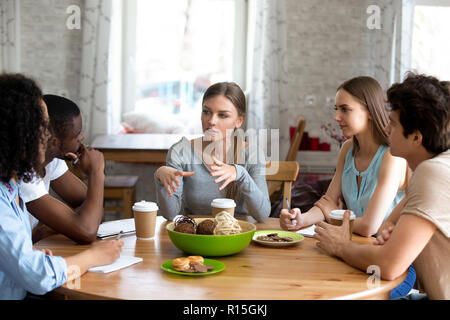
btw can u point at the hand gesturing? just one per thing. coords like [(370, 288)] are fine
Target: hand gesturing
[(223, 171), (169, 177)]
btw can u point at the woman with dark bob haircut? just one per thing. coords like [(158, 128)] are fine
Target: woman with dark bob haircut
[(23, 138)]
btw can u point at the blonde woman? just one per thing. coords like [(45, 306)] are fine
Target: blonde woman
[(198, 171)]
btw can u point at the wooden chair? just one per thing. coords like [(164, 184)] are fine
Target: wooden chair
[(275, 186), (286, 174), (122, 188), (117, 188), (296, 140)]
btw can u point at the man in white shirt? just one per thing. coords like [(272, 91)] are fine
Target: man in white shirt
[(40, 186), (79, 216)]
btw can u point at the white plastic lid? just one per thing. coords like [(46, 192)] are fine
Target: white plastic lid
[(339, 215), (223, 203), (145, 206)]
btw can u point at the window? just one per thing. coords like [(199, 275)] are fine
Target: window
[(430, 40), (174, 50)]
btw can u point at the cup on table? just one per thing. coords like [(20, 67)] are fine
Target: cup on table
[(223, 204), (145, 219), (336, 217)]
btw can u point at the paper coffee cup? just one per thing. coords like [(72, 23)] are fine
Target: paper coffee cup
[(223, 204), (336, 217), (145, 219)]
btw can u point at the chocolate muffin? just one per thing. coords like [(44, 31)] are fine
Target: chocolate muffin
[(185, 227), (206, 227), (184, 224)]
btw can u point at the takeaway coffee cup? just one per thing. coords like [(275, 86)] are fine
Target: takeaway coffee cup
[(145, 219), (223, 204), (336, 217)]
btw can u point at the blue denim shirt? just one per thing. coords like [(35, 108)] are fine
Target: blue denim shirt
[(23, 269)]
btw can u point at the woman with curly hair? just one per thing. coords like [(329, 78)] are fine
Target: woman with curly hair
[(23, 139)]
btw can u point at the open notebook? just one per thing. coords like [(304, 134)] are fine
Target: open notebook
[(308, 232), (122, 262), (112, 228)]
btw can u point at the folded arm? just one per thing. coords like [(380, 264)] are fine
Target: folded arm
[(80, 224)]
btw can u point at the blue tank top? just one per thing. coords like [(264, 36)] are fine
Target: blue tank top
[(358, 201)]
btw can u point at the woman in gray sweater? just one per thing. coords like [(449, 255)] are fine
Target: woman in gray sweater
[(215, 165)]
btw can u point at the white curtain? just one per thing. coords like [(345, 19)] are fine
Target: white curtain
[(96, 24), (9, 52), (391, 54), (269, 75)]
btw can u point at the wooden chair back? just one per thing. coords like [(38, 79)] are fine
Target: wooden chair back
[(297, 140), (286, 174)]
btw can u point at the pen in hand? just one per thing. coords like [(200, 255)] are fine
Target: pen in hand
[(119, 235), (78, 154), (289, 209)]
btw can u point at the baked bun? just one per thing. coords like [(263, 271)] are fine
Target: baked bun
[(196, 259), (185, 227), (206, 227), (181, 264)]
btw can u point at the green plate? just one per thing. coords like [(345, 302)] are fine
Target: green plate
[(297, 237), (218, 266)]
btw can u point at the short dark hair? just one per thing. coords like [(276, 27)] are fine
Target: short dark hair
[(423, 103), (22, 127), (61, 112)]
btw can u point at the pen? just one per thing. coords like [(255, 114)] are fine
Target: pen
[(119, 235), (74, 162), (289, 209)]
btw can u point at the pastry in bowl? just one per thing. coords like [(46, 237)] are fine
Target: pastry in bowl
[(215, 245)]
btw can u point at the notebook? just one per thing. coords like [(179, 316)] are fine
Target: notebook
[(308, 232), (112, 228), (122, 262)]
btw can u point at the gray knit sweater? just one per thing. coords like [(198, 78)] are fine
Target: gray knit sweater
[(195, 194)]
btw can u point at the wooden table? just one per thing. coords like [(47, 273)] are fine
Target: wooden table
[(137, 148), (302, 271)]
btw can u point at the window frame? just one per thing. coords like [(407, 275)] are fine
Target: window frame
[(433, 3)]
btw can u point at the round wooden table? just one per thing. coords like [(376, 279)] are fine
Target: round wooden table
[(302, 271)]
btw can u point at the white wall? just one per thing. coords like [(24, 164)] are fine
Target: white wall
[(328, 43), (50, 52)]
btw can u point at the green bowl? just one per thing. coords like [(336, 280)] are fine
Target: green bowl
[(211, 245)]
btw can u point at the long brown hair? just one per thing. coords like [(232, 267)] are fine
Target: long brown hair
[(234, 93), (229, 90), (369, 93)]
